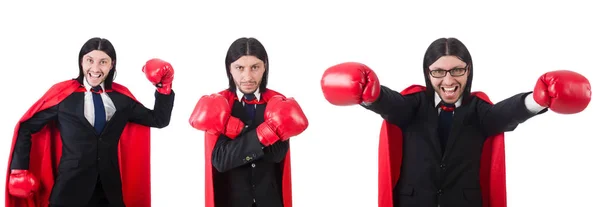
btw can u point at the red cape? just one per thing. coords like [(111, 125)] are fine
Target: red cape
[(209, 144), (46, 149), (492, 172)]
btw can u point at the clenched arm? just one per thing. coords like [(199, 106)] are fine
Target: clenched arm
[(506, 115), (394, 107), (231, 153), (159, 117), (277, 151)]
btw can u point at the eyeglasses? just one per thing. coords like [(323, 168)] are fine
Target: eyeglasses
[(454, 72)]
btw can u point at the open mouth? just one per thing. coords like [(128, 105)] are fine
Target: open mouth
[(449, 90), (95, 75)]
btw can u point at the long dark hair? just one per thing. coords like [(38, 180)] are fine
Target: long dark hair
[(443, 47), (105, 46), (247, 46)]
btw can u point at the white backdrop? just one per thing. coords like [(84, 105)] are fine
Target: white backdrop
[(551, 159)]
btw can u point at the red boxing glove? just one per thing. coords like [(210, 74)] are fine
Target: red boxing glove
[(160, 73), (213, 114), (563, 91), (350, 83), (22, 184), (283, 119)]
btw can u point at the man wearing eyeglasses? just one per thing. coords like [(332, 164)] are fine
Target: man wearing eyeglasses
[(442, 145)]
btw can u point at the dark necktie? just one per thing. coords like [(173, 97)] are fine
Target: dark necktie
[(99, 113), (249, 104), (445, 123)]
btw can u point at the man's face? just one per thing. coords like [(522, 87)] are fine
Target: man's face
[(247, 72), (451, 86), (96, 65)]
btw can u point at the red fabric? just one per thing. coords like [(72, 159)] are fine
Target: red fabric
[(209, 144), (46, 150), (492, 172)]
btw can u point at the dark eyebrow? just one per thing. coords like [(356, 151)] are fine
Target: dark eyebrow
[(457, 67), (87, 56)]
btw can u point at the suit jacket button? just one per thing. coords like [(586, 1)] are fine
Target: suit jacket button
[(440, 192), (253, 165)]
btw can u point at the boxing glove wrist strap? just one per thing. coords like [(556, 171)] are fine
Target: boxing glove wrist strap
[(163, 89), (234, 127), (266, 135)]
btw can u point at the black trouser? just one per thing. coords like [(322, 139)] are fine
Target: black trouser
[(98, 198)]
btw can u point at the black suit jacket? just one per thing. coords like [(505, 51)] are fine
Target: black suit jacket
[(430, 176), (85, 154), (248, 173)]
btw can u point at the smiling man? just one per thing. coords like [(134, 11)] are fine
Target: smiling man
[(248, 128), (442, 145), (86, 142)]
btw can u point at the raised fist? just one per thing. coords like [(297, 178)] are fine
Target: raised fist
[(160, 73), (350, 83), (563, 91)]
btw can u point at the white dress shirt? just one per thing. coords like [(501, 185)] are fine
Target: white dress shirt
[(240, 96), (88, 101)]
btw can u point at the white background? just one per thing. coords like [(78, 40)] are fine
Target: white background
[(552, 160)]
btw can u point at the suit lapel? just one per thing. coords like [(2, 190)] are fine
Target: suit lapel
[(433, 132), (80, 111), (117, 103), (239, 112), (457, 122), (260, 111)]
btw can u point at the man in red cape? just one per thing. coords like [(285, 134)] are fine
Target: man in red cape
[(492, 174), (247, 131), (441, 145), (41, 166)]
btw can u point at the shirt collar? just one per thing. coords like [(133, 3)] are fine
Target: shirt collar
[(438, 100), (240, 95), (88, 86)]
